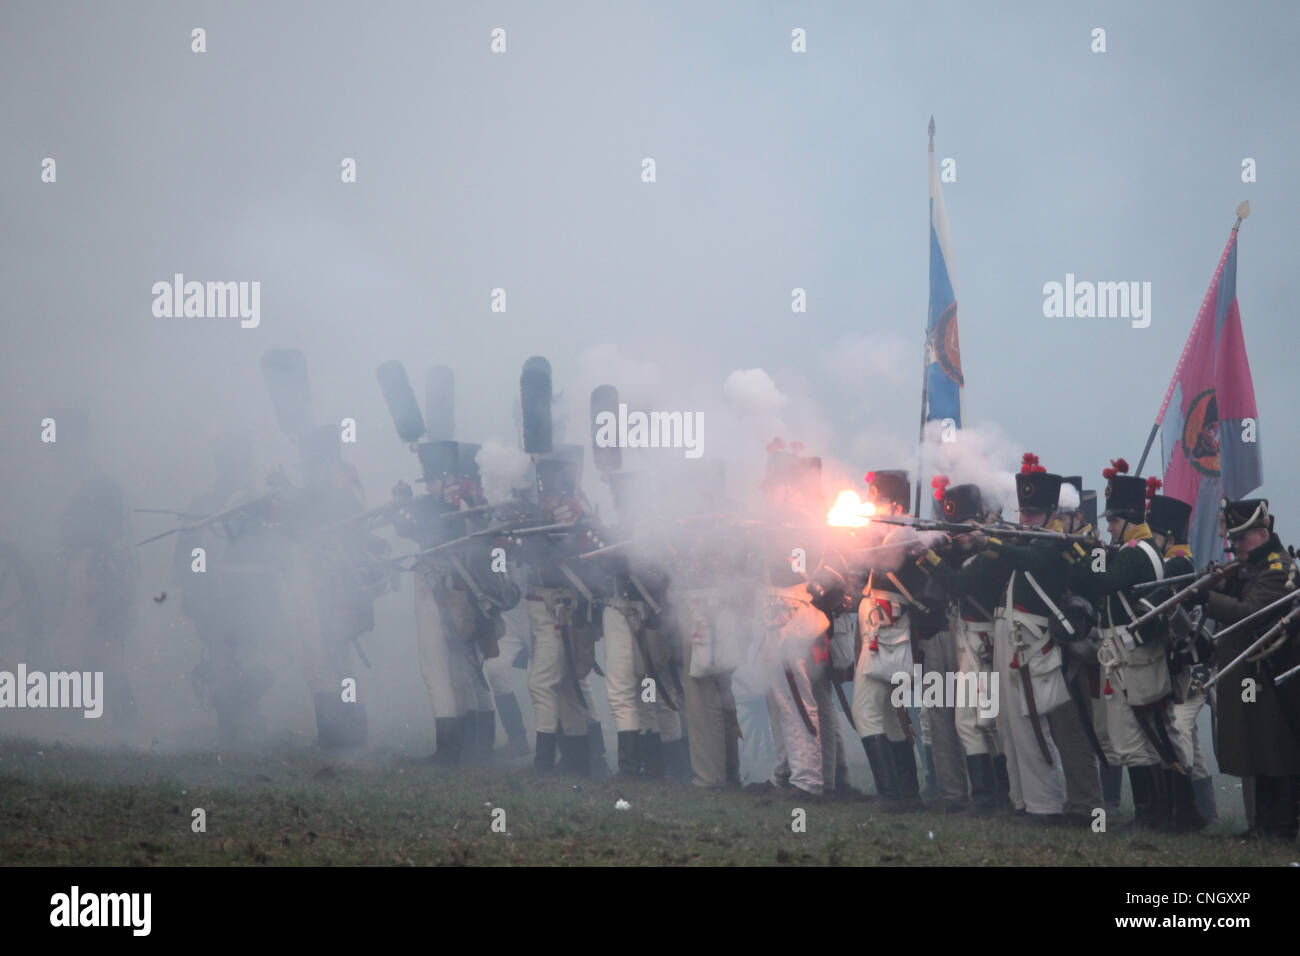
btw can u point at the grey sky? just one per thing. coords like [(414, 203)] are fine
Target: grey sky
[(521, 170)]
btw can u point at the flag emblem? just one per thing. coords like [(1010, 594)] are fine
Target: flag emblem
[(1201, 434), (947, 350)]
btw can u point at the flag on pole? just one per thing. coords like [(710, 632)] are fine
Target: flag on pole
[(1209, 425), (941, 380), (943, 377)]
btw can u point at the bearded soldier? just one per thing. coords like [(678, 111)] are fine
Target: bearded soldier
[(973, 581), (1257, 730), (1190, 650)]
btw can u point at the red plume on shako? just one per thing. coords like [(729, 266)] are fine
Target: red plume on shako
[(940, 484)]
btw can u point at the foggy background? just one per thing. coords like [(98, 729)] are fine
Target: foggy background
[(521, 170)]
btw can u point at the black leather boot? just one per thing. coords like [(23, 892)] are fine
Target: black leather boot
[(980, 769), (596, 745), (450, 732), (652, 756), (909, 787), (1148, 785), (575, 754), (1001, 782), (881, 759), (629, 753), (512, 719), (1162, 809), (1203, 793), (544, 753), (1183, 817), (1112, 786)]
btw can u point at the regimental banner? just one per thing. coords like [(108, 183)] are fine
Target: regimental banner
[(1209, 425)]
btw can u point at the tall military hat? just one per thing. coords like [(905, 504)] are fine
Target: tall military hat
[(438, 458), (1126, 495), (1168, 516), (1036, 488), (962, 503), (467, 461), (1243, 515), (1088, 505), (400, 399), (535, 399), (889, 487), (557, 477)]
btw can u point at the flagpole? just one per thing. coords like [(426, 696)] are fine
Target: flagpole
[(925, 362), (1243, 210)]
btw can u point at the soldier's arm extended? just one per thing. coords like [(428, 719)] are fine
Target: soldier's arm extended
[(1267, 587), (1128, 567)]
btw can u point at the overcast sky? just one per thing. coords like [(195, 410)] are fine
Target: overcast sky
[(522, 170)]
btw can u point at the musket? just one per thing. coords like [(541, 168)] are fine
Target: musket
[(487, 533), (213, 518), (365, 516), (1178, 597), (989, 530), (1176, 579), (1282, 624), (1280, 602), (184, 515), (1285, 676)]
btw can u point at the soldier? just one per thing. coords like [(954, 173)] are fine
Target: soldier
[(634, 620), (945, 759), (1073, 729), (344, 585), (890, 610), (459, 599), (1139, 718), (233, 601), (1254, 735), (973, 581), (796, 646), (1030, 682), (97, 572), (562, 626)]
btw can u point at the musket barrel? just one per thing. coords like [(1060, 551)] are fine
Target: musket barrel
[(1254, 646)]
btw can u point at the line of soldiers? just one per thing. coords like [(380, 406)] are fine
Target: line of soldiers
[(1092, 656)]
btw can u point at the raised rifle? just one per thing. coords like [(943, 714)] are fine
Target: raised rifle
[(1280, 627), (1166, 582), (1210, 577), (989, 530)]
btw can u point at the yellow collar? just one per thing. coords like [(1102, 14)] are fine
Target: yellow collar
[(1137, 532), (1178, 551)]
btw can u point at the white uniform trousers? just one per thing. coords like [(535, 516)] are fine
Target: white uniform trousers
[(557, 707), (1036, 783)]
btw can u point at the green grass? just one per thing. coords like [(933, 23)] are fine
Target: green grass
[(61, 806)]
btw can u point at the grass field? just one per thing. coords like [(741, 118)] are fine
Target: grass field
[(299, 807)]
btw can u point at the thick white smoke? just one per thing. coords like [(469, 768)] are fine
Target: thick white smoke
[(503, 468)]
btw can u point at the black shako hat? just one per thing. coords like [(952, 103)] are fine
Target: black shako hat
[(889, 487), (1169, 516), (1036, 490), (1126, 495), (962, 503)]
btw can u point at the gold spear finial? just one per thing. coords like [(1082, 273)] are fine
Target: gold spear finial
[(1243, 210)]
